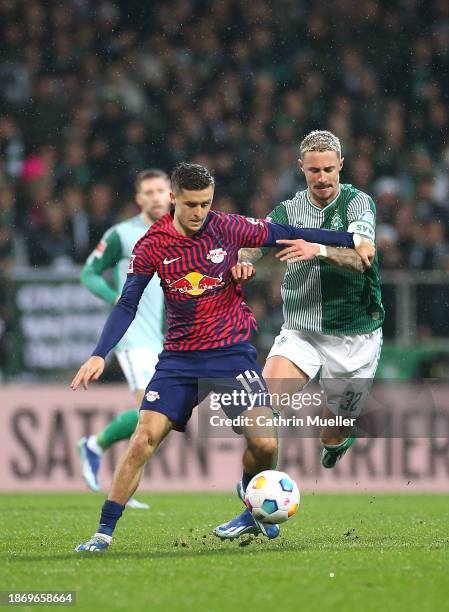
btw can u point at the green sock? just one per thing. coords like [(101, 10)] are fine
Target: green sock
[(120, 428)]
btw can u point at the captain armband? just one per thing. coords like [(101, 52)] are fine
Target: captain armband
[(361, 228)]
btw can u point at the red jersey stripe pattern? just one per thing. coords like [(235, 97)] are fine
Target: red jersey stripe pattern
[(205, 308)]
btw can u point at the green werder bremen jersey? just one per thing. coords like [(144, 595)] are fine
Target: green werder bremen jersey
[(114, 252), (317, 295)]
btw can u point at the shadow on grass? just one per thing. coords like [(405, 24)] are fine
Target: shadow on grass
[(227, 548)]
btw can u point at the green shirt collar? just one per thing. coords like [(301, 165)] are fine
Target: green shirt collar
[(309, 199)]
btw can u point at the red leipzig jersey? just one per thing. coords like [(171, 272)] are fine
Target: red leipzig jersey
[(205, 308)]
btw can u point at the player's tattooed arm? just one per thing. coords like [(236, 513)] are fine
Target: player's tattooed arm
[(356, 260), (343, 258), (244, 269), (250, 255)]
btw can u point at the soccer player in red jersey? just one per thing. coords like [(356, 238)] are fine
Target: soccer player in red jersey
[(209, 326)]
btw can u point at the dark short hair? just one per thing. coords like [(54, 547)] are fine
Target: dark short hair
[(149, 174), (191, 176)]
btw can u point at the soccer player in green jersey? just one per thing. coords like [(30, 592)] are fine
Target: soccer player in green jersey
[(332, 306), (138, 351)]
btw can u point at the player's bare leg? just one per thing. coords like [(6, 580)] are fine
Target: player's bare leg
[(151, 430), (332, 435), (278, 368), (346, 397), (282, 376), (335, 441), (262, 443), (91, 448), (132, 501), (260, 454)]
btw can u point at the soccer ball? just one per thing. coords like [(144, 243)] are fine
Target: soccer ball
[(272, 497)]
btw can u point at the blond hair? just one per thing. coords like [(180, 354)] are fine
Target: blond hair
[(320, 140)]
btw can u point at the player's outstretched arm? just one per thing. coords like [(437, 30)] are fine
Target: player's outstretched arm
[(247, 232), (281, 231)]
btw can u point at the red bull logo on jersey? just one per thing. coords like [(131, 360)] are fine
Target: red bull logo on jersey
[(195, 283)]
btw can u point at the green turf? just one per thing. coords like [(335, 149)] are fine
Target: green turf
[(387, 552)]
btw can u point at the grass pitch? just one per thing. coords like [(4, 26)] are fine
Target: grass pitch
[(340, 552)]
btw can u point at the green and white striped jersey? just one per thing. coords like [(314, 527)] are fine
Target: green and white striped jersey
[(318, 296), (114, 252)]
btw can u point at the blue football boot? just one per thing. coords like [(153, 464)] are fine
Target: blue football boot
[(245, 523), (98, 542)]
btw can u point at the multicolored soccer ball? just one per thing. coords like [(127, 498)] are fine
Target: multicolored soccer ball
[(272, 497)]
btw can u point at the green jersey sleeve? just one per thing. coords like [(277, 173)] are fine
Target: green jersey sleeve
[(362, 216), (105, 256), (278, 215)]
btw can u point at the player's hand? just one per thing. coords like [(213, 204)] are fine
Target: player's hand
[(366, 252), (90, 371), (297, 250), (242, 272)]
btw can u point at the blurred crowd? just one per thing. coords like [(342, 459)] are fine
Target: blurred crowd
[(92, 91)]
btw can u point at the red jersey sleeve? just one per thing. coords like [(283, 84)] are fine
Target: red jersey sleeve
[(142, 258), (245, 231)]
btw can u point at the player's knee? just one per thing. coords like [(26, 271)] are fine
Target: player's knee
[(265, 449), (142, 443)]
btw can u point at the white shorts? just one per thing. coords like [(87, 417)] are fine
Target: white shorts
[(337, 359), (138, 365)]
